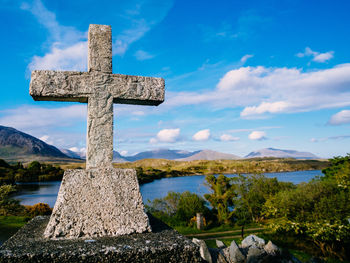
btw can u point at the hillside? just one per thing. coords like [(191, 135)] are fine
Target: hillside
[(19, 146), (279, 153), (210, 155)]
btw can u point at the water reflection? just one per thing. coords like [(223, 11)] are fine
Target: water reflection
[(46, 192)]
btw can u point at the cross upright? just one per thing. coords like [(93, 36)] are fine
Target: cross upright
[(100, 89)]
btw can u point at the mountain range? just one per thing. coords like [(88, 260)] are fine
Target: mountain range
[(19, 146), (272, 152)]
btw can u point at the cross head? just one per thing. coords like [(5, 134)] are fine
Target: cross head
[(99, 88)]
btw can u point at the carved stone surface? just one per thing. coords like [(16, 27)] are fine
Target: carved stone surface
[(101, 200), (93, 87), (98, 202)]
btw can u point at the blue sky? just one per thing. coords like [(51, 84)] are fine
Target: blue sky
[(240, 75)]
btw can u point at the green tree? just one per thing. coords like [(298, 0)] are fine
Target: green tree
[(254, 190), (221, 198), (318, 211), (8, 205)]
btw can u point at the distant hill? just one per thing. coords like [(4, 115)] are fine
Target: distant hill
[(19, 146), (272, 152), (160, 154), (118, 158), (210, 155), (72, 154)]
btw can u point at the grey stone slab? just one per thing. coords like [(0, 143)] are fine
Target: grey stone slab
[(100, 48), (162, 245), (98, 202), (75, 86)]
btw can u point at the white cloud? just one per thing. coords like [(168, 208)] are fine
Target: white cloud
[(143, 55), (46, 138), (68, 46), (342, 117), (71, 58), (166, 135), (262, 90), (123, 153), (257, 135), (265, 107), (140, 25), (316, 56), (29, 117), (245, 58), (228, 137), (202, 135)]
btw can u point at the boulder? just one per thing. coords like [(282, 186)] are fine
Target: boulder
[(235, 254), (271, 248), (220, 244), (255, 254), (253, 240), (203, 249)]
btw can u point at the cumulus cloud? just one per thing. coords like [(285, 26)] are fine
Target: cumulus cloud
[(257, 135), (143, 55), (166, 135), (202, 135), (71, 58), (228, 137), (316, 56), (342, 117), (260, 90), (245, 58), (68, 46)]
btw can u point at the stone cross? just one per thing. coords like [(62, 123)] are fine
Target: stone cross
[(99, 88), (101, 200)]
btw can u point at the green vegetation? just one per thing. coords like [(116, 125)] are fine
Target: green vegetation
[(311, 218), (33, 172), (151, 169)]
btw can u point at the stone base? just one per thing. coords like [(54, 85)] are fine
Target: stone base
[(98, 202), (162, 245)]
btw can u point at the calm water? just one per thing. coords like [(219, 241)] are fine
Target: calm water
[(46, 192)]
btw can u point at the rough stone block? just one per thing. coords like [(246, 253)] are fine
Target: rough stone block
[(98, 202), (162, 245)]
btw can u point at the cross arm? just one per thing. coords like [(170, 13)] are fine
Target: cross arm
[(127, 89), (60, 85)]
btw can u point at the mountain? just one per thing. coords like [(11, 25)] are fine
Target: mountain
[(160, 154), (210, 155), (272, 152), (118, 158), (72, 154), (19, 146)]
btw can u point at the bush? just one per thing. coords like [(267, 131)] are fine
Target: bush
[(39, 209)]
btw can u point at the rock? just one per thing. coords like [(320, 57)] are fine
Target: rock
[(223, 256), (253, 240), (220, 244), (271, 248), (235, 254), (162, 245), (255, 254), (203, 249)]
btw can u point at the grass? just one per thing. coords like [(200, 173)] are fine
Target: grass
[(9, 225), (262, 165)]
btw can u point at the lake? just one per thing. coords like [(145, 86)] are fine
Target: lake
[(46, 192)]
